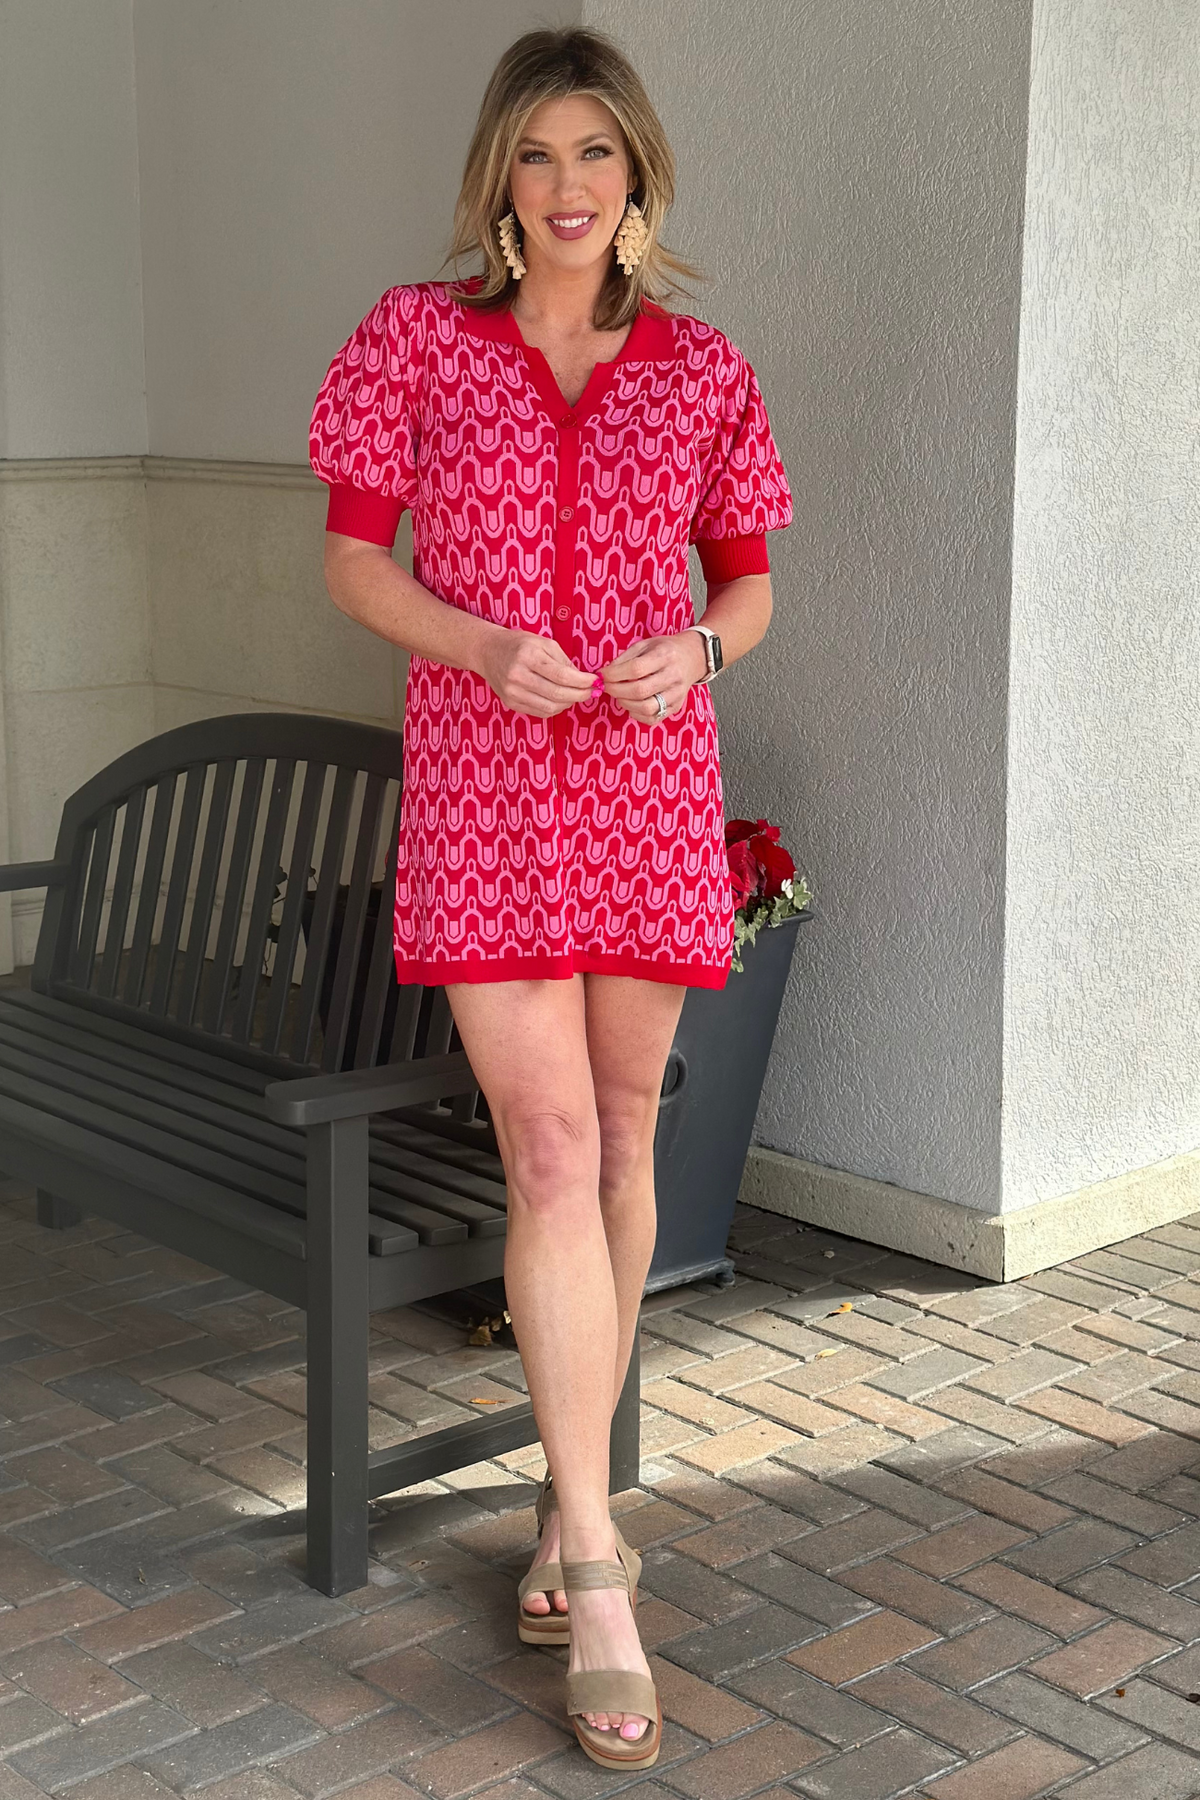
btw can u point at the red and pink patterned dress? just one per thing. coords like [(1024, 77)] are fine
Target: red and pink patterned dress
[(591, 841)]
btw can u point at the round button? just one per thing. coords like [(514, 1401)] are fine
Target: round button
[(568, 419), (562, 612), (566, 512)]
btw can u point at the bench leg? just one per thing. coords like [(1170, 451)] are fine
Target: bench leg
[(625, 1438), (338, 1326), (56, 1214)]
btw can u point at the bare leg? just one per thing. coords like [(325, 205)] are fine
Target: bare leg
[(630, 1028), (529, 1044)]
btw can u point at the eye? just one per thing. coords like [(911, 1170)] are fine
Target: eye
[(600, 149), (530, 155)]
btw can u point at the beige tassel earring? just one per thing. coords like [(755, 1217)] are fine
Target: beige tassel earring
[(509, 245), (633, 234)]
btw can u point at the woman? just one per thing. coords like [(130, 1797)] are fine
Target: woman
[(561, 438)]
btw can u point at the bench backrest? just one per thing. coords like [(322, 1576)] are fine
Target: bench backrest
[(231, 883)]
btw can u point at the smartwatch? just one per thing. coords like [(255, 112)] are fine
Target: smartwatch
[(712, 652)]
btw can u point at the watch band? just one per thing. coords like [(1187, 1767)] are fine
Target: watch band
[(714, 668)]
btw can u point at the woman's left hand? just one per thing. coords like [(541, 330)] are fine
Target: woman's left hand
[(663, 665)]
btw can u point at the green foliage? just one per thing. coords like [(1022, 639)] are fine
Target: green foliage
[(749, 921)]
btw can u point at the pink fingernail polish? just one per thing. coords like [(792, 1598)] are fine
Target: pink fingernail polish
[(597, 686)]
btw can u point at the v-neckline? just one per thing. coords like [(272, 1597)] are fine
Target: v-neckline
[(546, 382), (651, 339), (644, 341)]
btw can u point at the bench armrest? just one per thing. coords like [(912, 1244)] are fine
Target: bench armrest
[(319, 1099), (14, 876)]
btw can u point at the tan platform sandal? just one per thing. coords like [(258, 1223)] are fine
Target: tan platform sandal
[(551, 1627), (613, 1690)]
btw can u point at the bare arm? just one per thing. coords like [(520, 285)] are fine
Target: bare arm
[(531, 674), (738, 611)]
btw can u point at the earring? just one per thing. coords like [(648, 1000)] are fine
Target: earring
[(633, 234), (509, 245)]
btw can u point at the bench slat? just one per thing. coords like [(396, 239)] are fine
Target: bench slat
[(191, 1072), (478, 1156), (122, 1035), (84, 954), (293, 905), (148, 898), (380, 983), (206, 890), (217, 996), (346, 968), (250, 1218), (118, 912), (144, 1095), (264, 900), (177, 887), (316, 948), (236, 1162), (479, 1188), (404, 1026)]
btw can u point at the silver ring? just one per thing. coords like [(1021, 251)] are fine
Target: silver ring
[(662, 708)]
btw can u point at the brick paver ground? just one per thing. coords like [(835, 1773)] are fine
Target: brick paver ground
[(904, 1533)]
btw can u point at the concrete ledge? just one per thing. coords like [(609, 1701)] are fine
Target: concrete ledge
[(998, 1246), (159, 468)]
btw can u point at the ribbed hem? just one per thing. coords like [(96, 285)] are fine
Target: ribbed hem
[(724, 559), (358, 513), (559, 968)]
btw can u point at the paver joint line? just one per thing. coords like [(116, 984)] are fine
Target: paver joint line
[(943, 1542)]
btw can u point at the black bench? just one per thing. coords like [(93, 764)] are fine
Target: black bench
[(215, 1053)]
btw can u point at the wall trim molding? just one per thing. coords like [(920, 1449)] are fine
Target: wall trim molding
[(72, 468), (158, 468), (998, 1246)]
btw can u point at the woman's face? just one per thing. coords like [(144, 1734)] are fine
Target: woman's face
[(570, 177)]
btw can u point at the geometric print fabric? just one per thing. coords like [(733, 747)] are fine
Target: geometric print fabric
[(590, 841)]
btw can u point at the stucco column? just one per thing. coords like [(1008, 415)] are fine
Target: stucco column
[(928, 228)]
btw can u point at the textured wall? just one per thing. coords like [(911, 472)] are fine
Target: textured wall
[(71, 375), (296, 159), (1102, 1068), (852, 179)]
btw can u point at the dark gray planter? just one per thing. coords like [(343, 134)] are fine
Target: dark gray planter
[(706, 1116)]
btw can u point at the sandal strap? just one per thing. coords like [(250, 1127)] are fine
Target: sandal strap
[(611, 1690), (547, 1578), (546, 1502), (577, 1575)]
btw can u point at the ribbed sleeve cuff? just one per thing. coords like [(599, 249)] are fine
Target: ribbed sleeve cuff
[(724, 559), (358, 513)]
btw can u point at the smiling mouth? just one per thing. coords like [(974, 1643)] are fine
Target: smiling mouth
[(570, 223)]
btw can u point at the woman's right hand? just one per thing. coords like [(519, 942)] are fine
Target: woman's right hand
[(533, 674)]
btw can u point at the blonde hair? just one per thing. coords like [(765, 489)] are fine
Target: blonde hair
[(548, 65)]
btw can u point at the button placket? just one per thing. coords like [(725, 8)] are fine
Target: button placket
[(564, 545)]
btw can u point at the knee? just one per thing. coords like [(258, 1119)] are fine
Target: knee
[(551, 1159), (627, 1141)]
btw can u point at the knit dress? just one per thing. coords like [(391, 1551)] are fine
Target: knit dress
[(591, 841)]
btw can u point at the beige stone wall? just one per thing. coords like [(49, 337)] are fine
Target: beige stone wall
[(76, 659), (239, 613), (138, 593)]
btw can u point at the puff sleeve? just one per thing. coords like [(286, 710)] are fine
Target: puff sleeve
[(744, 490), (363, 437)]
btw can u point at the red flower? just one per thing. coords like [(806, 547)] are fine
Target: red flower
[(758, 863), (744, 872), (777, 865), (737, 829)]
